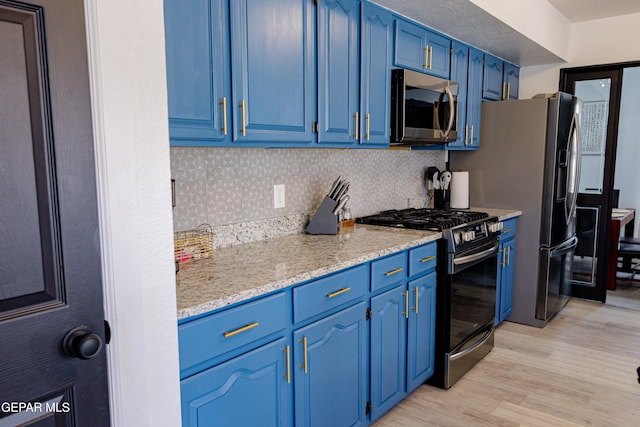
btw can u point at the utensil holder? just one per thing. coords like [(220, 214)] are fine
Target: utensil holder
[(442, 199), (324, 221)]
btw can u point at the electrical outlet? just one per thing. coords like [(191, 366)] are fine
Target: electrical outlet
[(278, 196)]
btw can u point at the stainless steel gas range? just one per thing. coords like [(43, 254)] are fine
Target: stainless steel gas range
[(466, 292)]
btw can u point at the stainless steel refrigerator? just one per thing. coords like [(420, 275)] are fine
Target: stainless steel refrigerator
[(529, 159)]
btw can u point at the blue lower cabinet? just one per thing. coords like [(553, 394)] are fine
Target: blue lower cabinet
[(249, 390), (421, 330), (388, 350), (506, 258), (330, 360), (402, 341)]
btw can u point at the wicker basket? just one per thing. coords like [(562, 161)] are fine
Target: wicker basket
[(192, 245)]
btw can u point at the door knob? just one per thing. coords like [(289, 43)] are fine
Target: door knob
[(80, 342)]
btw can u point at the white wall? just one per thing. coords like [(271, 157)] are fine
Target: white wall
[(127, 62), (627, 177), (601, 41)]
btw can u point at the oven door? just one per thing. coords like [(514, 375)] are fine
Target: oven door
[(472, 276)]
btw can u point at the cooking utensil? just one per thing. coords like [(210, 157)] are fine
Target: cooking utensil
[(435, 180), (445, 180)]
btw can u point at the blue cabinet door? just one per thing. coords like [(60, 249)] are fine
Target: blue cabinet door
[(474, 98), (330, 361), (506, 290), (419, 49), (220, 395), (338, 70), (512, 80), (421, 330), (388, 350), (376, 31), (273, 68), (198, 82), (492, 85), (459, 74)]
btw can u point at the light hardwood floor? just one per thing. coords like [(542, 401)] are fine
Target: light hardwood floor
[(580, 370)]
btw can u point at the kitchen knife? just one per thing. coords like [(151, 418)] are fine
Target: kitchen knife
[(336, 194), (343, 201), (334, 187), (343, 190)]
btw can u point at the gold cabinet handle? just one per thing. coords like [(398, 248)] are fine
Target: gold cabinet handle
[(240, 330), (287, 375), (416, 289), (392, 272), (305, 363), (243, 106), (340, 292), (502, 253), (368, 117), (508, 90), (508, 255), (506, 230), (224, 115), (357, 125), (466, 134), (430, 57), (471, 139), (427, 259), (504, 91), (426, 57), (406, 304)]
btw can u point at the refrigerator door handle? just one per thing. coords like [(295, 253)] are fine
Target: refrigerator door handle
[(573, 164), (566, 247)]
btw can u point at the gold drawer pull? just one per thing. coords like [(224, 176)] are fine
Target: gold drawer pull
[(287, 350), (336, 293), (392, 272), (429, 258), (240, 330), (506, 230)]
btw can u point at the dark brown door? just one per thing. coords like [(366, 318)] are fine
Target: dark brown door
[(50, 278), (599, 89)]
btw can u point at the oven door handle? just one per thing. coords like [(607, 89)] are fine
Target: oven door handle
[(474, 347), (475, 257), (452, 112)]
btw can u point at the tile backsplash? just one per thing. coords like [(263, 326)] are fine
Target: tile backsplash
[(222, 186)]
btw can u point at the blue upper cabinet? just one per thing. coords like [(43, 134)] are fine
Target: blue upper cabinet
[(198, 74), (459, 74), (492, 85), (375, 75), (421, 50), (511, 80), (338, 70), (467, 70), (273, 67)]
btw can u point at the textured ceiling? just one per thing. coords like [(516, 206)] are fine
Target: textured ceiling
[(469, 23)]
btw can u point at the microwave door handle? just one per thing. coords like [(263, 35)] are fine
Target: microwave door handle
[(452, 111)]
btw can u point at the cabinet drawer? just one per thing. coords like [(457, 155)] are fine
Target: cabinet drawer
[(422, 259), (389, 270), (508, 229), (324, 294), (211, 336)]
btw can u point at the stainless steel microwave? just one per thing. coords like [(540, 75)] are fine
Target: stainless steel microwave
[(423, 109)]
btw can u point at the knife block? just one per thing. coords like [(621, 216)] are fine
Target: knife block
[(324, 221)]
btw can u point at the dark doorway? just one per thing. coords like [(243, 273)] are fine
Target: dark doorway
[(599, 87), (53, 367)]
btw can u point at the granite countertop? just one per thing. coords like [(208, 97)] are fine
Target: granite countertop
[(241, 272), (237, 273)]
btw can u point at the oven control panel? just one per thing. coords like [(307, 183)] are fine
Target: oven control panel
[(469, 235)]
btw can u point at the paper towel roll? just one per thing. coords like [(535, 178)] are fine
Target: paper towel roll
[(459, 190)]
